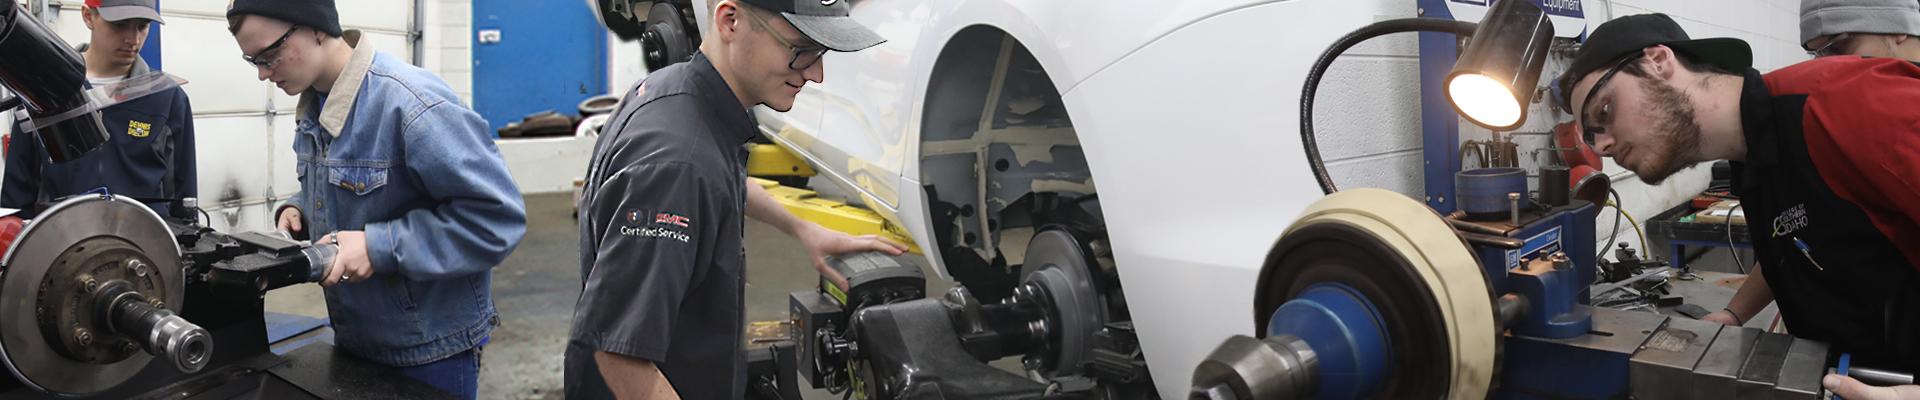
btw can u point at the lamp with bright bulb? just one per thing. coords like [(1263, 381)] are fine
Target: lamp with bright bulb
[(1494, 79), (1491, 84)]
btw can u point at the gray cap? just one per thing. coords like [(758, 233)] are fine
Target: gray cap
[(121, 10), (828, 22), (1830, 17)]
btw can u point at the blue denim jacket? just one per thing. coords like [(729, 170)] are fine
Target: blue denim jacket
[(391, 151)]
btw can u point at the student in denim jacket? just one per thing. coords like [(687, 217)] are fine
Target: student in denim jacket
[(403, 177)]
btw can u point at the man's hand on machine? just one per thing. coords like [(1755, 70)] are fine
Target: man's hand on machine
[(822, 242), (290, 220), (351, 264), (1852, 389), (1722, 317)]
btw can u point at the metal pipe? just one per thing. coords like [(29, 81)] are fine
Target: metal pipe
[(1513, 200), (416, 34), (1603, 289), (1880, 377), (319, 257), (160, 331), (1491, 240), (1277, 367), (1465, 226)]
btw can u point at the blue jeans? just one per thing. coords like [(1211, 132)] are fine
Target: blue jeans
[(458, 375)]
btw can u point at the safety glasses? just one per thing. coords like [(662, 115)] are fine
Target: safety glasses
[(270, 56), (803, 56), (1835, 46), (1593, 119)]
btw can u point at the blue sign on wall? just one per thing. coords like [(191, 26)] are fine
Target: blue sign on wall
[(1564, 8), (1569, 19)]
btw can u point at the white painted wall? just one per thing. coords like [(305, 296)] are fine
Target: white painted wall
[(448, 40), (1368, 111)]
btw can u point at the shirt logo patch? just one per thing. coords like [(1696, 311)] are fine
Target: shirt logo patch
[(1791, 220), (671, 219), (139, 129), (655, 233)]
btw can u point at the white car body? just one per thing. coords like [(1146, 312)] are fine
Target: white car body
[(1186, 112)]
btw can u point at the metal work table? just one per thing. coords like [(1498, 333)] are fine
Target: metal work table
[(1678, 235), (1712, 291)]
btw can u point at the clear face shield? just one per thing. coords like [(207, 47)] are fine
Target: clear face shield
[(48, 83)]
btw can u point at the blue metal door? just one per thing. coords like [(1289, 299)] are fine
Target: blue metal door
[(533, 56)]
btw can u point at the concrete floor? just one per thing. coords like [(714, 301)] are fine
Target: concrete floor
[(535, 291)]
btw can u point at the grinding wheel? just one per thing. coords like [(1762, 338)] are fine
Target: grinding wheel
[(61, 256), (1431, 295), (1060, 267)]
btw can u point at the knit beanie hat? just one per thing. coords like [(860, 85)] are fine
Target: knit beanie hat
[(1830, 17), (317, 14)]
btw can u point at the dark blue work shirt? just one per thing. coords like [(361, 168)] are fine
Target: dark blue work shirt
[(661, 252), (149, 155)]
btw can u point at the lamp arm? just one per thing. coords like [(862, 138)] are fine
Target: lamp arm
[(1340, 46)]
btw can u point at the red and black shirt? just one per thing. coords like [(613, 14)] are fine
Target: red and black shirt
[(1831, 186)]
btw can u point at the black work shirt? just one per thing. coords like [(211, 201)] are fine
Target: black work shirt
[(1835, 272), (661, 223)]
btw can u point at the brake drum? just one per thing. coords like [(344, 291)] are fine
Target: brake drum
[(1429, 293), (51, 339)]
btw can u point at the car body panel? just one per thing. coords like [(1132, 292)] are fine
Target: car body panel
[(1186, 113)]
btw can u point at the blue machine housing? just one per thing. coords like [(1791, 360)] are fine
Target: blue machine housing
[(1346, 334), (1552, 296), (1483, 191)]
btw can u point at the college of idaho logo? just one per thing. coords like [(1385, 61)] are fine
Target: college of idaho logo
[(139, 129)]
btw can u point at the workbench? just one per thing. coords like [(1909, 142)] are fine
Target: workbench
[(1712, 291), (1678, 231)]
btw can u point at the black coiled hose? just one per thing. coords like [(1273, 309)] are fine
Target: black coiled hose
[(1340, 46)]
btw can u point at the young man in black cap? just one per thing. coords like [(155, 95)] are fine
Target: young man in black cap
[(661, 313), (150, 153), (1826, 158), (403, 178)]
